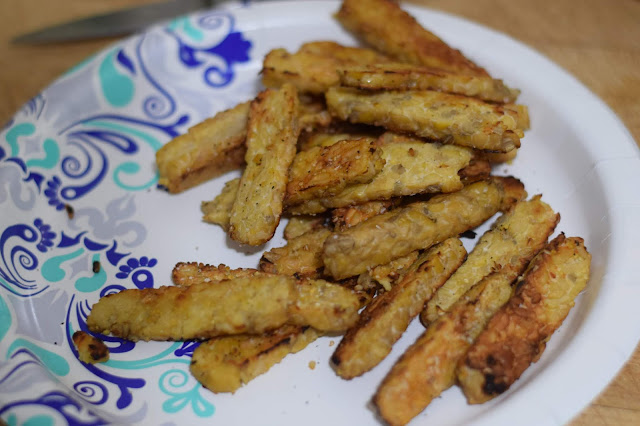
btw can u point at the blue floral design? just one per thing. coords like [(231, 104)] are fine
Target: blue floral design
[(53, 185), (46, 235), (141, 277)]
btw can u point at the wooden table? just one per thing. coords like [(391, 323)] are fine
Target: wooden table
[(598, 41)]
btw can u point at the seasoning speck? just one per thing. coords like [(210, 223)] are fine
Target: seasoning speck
[(331, 343), (312, 365), (96, 266), (69, 210)]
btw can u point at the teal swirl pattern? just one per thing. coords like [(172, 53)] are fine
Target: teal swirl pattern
[(76, 165)]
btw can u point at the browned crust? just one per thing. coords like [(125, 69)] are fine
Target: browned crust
[(185, 274), (301, 257), (224, 364), (516, 336), (477, 169), (384, 25)]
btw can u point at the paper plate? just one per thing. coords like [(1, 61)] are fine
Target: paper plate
[(88, 142)]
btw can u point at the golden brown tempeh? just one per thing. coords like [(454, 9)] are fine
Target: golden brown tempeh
[(428, 366), (190, 273), (346, 217), (521, 232), (218, 210), (224, 364), (439, 116), (91, 350), (411, 167), (241, 305), (416, 226), (302, 256), (326, 171), (298, 225), (516, 335), (271, 145), (382, 323), (384, 25), (208, 149), (401, 76), (313, 68)]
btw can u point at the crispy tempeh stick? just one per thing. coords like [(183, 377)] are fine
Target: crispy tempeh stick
[(384, 25), (224, 364), (326, 171), (302, 256), (411, 167), (313, 69), (346, 217), (518, 233), (382, 323), (218, 210), (418, 225), (428, 366), (298, 225), (241, 305), (271, 145), (516, 335), (190, 273), (400, 76), (440, 116), (208, 149)]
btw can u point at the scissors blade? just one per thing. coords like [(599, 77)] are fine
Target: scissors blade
[(114, 23)]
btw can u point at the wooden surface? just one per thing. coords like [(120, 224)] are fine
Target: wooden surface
[(598, 41)]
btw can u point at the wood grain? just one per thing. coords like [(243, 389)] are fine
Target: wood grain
[(598, 41)]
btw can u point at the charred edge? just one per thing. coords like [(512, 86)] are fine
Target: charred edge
[(468, 234), (490, 386)]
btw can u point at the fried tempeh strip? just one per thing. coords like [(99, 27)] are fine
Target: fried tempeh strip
[(218, 210), (91, 350), (400, 76), (517, 334), (302, 256), (190, 273), (224, 364), (271, 145), (384, 25), (435, 115), (521, 232), (241, 305), (346, 217), (326, 171), (387, 275), (411, 167), (418, 225), (208, 149), (298, 225), (313, 68), (383, 322), (428, 367)]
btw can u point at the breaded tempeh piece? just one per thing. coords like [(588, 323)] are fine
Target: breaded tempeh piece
[(382, 323), (302, 256), (428, 367), (190, 273), (384, 25), (224, 364), (271, 145), (517, 334), (241, 305), (401, 76), (411, 167), (346, 217), (331, 136), (91, 350), (326, 171), (419, 225), (521, 232), (218, 210), (313, 69), (207, 150), (435, 115), (299, 225), (387, 275)]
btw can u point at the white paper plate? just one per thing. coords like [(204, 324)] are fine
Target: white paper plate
[(89, 141)]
